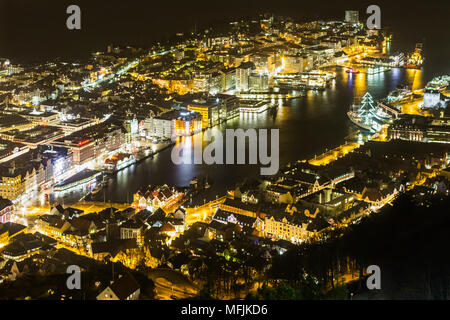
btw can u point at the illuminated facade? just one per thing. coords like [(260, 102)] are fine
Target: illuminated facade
[(351, 16), (208, 112), (188, 123)]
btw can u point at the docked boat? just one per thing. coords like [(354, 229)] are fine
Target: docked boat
[(415, 60), (83, 177), (353, 71), (97, 189)]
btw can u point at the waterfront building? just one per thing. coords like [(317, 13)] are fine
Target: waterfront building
[(157, 197), (433, 98), (239, 207), (52, 225), (185, 123), (224, 222), (229, 106), (160, 127), (242, 76)]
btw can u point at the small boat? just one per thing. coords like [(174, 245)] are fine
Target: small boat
[(351, 70)]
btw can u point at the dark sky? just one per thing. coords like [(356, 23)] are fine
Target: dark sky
[(37, 28)]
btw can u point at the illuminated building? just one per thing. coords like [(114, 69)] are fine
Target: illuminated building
[(241, 208), (83, 177), (158, 197), (132, 229), (23, 246), (295, 226), (228, 79), (328, 201), (246, 223), (277, 194), (29, 172), (94, 141), (215, 83), (13, 183), (179, 86), (253, 106), (264, 62), (258, 82), (52, 225), (8, 230), (124, 288), (201, 83), (174, 123), (209, 111), (39, 135), (423, 129), (242, 76), (10, 150), (14, 122), (292, 64), (433, 98), (159, 127), (187, 123)]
